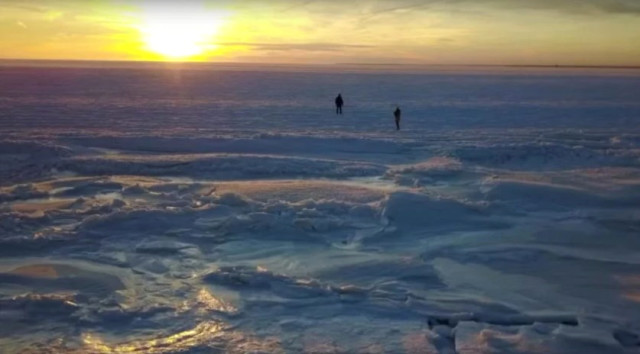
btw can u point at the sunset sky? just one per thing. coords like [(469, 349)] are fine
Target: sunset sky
[(540, 32)]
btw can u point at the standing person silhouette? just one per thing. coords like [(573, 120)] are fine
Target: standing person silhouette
[(396, 115), (339, 104)]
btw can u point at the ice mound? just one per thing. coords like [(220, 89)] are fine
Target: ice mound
[(60, 278), (220, 166), (530, 194), (410, 211), (32, 150), (546, 156), (263, 144)]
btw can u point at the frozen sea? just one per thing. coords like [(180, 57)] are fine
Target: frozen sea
[(228, 209)]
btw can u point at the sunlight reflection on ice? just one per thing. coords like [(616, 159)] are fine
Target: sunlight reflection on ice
[(202, 333), (211, 303), (209, 334)]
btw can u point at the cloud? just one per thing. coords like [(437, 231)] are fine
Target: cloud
[(23, 7), (21, 24), (569, 6), (366, 8), (310, 47), (372, 7)]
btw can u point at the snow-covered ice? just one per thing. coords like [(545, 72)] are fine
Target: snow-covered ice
[(164, 209)]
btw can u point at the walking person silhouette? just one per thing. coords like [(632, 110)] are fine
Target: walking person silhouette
[(396, 115), (339, 104)]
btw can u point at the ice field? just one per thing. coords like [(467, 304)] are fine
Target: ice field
[(189, 209)]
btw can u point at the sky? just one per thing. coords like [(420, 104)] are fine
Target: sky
[(457, 32)]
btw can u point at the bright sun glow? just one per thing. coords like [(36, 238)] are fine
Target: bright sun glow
[(180, 32)]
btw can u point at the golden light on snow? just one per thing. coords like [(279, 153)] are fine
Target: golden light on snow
[(209, 302), (208, 334), (180, 32), (202, 333)]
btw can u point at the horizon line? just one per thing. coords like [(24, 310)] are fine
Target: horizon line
[(380, 64)]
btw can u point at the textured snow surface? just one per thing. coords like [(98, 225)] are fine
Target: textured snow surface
[(166, 211)]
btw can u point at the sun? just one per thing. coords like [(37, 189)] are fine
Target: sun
[(180, 32)]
